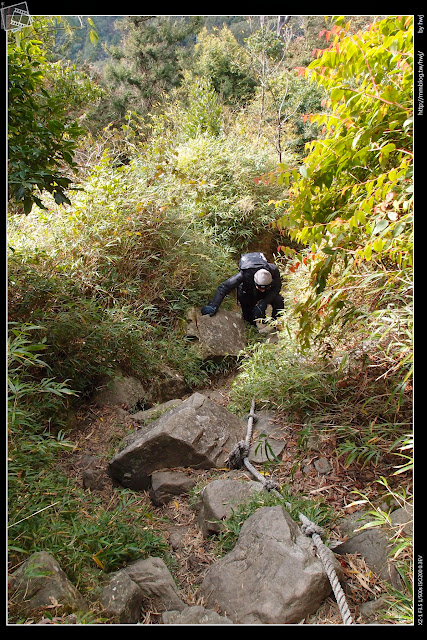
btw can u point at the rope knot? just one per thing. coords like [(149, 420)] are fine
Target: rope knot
[(237, 455), (309, 527), (271, 485)]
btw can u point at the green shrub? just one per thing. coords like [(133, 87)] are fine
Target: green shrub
[(46, 509), (280, 378), (204, 114), (225, 191), (84, 534), (33, 399)]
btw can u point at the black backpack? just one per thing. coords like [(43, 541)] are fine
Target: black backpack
[(249, 264), (255, 260)]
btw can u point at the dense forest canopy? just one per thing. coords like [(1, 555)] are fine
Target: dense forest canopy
[(145, 154)]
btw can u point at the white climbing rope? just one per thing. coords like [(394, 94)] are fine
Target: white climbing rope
[(237, 458), (309, 528), (251, 420)]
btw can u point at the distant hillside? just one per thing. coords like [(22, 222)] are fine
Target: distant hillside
[(73, 43), (76, 45)]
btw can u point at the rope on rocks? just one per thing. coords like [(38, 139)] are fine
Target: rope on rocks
[(239, 457), (313, 530)]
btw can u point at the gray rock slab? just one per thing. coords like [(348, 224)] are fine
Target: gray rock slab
[(165, 485), (144, 585), (122, 599), (222, 335), (194, 615), (155, 412), (373, 546), (403, 519), (268, 439), (272, 576), (198, 434), (156, 583)]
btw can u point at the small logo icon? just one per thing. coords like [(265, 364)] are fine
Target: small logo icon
[(15, 17)]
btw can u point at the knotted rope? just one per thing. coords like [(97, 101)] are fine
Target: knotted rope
[(238, 458), (240, 451)]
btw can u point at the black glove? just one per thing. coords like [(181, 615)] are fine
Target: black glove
[(209, 310), (259, 310)]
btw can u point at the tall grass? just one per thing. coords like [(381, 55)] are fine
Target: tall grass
[(109, 279), (46, 510)]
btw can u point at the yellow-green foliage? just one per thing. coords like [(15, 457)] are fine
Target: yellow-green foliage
[(350, 202)]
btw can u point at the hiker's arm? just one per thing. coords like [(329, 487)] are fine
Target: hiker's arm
[(223, 290)]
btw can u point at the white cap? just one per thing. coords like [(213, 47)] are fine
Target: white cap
[(263, 277)]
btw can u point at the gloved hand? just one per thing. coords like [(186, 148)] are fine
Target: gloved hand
[(209, 310), (259, 310)]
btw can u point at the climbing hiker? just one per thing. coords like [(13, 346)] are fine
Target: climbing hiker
[(258, 284)]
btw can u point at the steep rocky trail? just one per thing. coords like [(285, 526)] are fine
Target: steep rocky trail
[(119, 445), (315, 472)]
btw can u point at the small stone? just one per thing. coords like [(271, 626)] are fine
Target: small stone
[(322, 466), (93, 479), (168, 484)]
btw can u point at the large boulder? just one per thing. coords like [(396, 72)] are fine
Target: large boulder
[(272, 576), (222, 335), (198, 433), (40, 582)]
